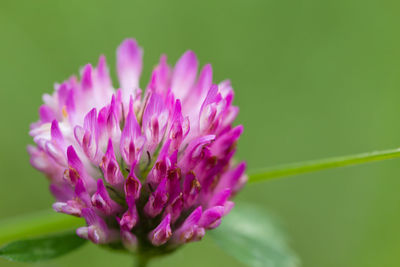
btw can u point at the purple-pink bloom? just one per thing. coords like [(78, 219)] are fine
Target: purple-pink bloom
[(152, 169)]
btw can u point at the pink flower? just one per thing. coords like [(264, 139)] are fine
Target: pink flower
[(146, 171)]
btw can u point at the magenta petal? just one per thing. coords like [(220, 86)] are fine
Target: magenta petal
[(191, 189), (103, 73), (46, 114), (179, 128), (76, 170), (233, 178), (56, 153), (129, 64), (161, 167), (75, 165), (160, 77), (132, 185), (211, 218), (130, 217), (193, 218), (75, 206), (212, 97), (175, 207), (87, 80), (157, 200), (193, 153), (190, 229), (82, 194), (161, 234), (110, 167), (184, 75), (97, 230), (102, 200), (62, 192), (224, 143), (56, 132), (220, 198), (205, 80), (155, 120), (42, 162), (73, 159), (131, 140), (56, 147), (69, 207)]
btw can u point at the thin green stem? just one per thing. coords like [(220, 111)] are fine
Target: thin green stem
[(141, 261), (36, 224), (322, 164)]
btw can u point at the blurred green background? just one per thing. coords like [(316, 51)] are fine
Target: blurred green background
[(313, 79)]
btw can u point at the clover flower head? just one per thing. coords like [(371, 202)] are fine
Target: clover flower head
[(149, 172)]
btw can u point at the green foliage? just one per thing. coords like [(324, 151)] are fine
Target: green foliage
[(43, 248), (254, 238), (36, 224)]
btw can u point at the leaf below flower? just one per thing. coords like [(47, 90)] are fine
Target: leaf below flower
[(43, 248), (254, 238)]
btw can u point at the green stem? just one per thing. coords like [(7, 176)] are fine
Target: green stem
[(36, 224), (322, 164), (141, 261)]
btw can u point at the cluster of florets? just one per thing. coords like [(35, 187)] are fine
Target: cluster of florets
[(153, 170)]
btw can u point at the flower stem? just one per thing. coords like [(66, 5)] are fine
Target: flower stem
[(141, 261), (321, 164)]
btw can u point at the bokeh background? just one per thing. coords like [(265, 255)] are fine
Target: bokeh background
[(313, 79)]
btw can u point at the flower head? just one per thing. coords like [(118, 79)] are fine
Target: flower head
[(152, 171)]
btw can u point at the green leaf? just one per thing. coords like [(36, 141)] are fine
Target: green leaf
[(254, 238), (36, 224), (40, 249), (321, 164)]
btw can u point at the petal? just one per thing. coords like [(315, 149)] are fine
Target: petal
[(226, 142), (87, 80), (129, 66), (184, 75), (190, 229), (155, 120), (110, 166), (46, 114), (130, 217), (73, 159), (191, 189), (56, 132), (132, 185), (161, 234), (77, 170), (102, 73), (62, 193), (233, 178), (211, 218), (132, 142), (97, 230), (220, 198), (205, 80), (102, 200), (157, 200), (175, 207), (160, 77), (193, 152)]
